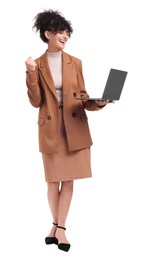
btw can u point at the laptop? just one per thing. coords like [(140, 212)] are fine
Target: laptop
[(113, 87)]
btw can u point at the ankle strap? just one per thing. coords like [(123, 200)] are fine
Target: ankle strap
[(61, 227), (55, 224)]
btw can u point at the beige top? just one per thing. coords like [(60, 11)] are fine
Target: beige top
[(55, 64)]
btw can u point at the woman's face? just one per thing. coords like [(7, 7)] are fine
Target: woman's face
[(56, 42)]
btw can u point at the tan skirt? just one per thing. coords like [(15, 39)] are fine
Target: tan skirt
[(65, 165)]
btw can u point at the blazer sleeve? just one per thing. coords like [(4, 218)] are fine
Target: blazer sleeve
[(89, 104), (33, 88)]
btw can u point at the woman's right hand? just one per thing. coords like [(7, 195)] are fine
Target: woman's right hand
[(30, 64)]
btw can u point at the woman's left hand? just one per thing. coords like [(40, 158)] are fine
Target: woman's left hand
[(102, 103)]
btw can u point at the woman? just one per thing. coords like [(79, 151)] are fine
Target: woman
[(54, 82)]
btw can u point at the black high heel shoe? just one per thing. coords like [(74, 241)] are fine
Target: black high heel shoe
[(63, 246), (52, 240)]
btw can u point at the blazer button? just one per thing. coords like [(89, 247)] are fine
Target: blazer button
[(74, 114), (49, 117), (74, 94)]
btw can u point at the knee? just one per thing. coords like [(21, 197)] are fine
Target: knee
[(53, 185), (67, 185)]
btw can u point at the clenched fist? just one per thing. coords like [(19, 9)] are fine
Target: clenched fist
[(30, 64)]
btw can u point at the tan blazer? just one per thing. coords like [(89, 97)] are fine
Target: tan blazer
[(42, 94)]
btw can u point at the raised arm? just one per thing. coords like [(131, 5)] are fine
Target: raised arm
[(32, 82)]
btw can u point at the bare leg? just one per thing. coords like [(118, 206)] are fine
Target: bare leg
[(64, 205), (53, 199)]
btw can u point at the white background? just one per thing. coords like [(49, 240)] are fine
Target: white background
[(105, 214)]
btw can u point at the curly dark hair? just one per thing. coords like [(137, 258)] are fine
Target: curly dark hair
[(52, 21)]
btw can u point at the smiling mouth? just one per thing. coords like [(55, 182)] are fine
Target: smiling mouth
[(62, 41)]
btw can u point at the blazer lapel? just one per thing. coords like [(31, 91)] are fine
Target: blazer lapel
[(46, 73), (66, 72)]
